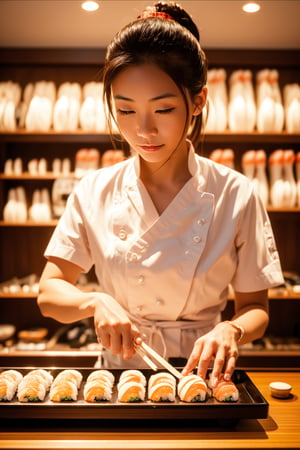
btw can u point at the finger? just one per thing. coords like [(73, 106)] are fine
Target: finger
[(193, 359), (116, 343), (218, 367), (103, 339), (230, 365), (205, 360), (127, 345)]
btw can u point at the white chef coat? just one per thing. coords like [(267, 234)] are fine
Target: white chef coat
[(171, 271)]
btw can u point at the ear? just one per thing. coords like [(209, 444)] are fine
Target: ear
[(199, 101)]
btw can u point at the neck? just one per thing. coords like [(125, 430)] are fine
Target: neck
[(171, 171)]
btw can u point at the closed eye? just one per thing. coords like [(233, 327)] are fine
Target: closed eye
[(165, 111), (125, 112)]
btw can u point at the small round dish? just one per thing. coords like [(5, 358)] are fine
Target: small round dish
[(280, 390)]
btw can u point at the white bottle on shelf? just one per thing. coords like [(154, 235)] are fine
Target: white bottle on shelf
[(248, 163), (291, 95), (42, 166), (290, 188), (33, 167), (34, 210), (45, 206), (9, 167), (260, 178), (10, 208), (276, 179), (298, 177), (21, 204)]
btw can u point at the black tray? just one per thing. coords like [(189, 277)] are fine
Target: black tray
[(251, 405)]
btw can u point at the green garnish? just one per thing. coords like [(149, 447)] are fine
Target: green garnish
[(134, 399)]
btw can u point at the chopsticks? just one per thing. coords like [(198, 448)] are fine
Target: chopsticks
[(147, 353)]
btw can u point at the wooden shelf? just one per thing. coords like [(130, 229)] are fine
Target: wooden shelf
[(29, 223), (23, 136), (91, 137), (27, 176)]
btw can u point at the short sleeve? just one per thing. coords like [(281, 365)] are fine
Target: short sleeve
[(258, 264), (69, 240)]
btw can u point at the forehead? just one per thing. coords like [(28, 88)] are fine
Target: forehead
[(146, 80)]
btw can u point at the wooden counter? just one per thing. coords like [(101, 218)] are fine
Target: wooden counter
[(280, 430)]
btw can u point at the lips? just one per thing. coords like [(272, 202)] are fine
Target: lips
[(150, 148)]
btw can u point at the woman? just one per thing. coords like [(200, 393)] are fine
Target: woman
[(167, 230)]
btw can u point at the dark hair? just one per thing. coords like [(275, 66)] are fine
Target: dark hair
[(172, 45)]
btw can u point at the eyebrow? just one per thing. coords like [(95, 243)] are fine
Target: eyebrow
[(159, 97)]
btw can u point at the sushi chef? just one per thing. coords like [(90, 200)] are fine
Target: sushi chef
[(167, 230)]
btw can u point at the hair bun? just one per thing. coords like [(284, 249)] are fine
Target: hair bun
[(176, 11)]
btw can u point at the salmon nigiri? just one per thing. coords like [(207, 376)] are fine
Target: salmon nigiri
[(130, 392), (192, 388), (64, 391), (225, 391)]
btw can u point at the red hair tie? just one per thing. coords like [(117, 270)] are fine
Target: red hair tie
[(147, 14)]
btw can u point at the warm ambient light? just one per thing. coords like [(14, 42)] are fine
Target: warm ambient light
[(251, 7), (90, 6)]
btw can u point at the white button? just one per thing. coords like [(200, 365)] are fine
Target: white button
[(122, 235), (139, 308), (132, 257), (201, 222), (197, 239), (141, 279), (159, 302)]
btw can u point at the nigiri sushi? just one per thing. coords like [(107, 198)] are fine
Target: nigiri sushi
[(192, 388), (72, 375), (162, 387), (64, 391), (226, 391), (97, 391), (31, 390), (130, 392)]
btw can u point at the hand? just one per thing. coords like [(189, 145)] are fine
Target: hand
[(112, 326), (220, 345)]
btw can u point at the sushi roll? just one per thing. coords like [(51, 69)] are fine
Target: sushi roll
[(192, 388), (63, 391), (225, 391), (162, 387), (31, 390), (8, 389), (131, 391), (69, 375), (97, 391)]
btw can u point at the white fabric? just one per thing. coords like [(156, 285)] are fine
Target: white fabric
[(176, 266)]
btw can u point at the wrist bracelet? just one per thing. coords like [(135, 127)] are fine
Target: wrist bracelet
[(239, 328)]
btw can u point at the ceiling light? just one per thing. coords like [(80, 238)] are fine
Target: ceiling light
[(251, 7), (90, 6)]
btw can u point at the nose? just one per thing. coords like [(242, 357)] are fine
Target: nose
[(146, 126)]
